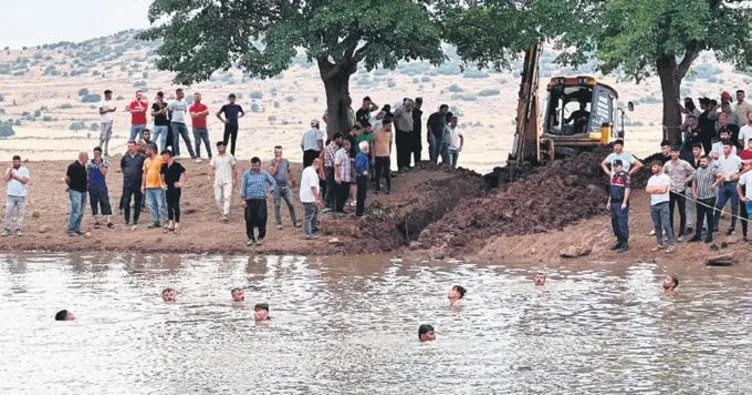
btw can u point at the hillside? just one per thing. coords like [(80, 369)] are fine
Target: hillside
[(49, 94)]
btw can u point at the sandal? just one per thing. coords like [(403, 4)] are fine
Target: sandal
[(176, 229), (110, 225), (97, 225)]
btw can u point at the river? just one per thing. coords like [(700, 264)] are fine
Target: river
[(349, 325)]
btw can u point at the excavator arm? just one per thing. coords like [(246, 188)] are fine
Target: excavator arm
[(526, 146)]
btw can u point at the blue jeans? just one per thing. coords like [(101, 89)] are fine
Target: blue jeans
[(434, 146), (749, 209), (157, 205), (283, 192), (199, 135), (454, 155), (77, 202), (136, 130), (727, 191), (179, 129), (159, 135), (620, 222), (662, 222)]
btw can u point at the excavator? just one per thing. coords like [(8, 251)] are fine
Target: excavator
[(580, 114)]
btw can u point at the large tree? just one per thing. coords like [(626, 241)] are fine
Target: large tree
[(636, 37), (262, 37)]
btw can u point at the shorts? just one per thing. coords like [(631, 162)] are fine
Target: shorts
[(105, 130)]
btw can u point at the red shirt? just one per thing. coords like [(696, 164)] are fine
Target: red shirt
[(746, 155), (200, 121), (138, 118)]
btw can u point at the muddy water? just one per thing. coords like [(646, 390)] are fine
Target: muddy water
[(351, 327)]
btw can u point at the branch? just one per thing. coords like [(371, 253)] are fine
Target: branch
[(360, 53), (692, 52)]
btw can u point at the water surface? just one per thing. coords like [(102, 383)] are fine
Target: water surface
[(350, 326)]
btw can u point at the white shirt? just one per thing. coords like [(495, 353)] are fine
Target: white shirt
[(178, 108), (659, 180), (105, 105), (745, 134), (729, 166), (625, 157), (15, 187), (222, 165), (454, 143), (718, 147), (746, 179), (308, 180)]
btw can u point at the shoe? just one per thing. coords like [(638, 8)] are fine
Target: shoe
[(279, 227), (297, 224), (694, 239), (624, 248), (326, 210), (616, 246), (680, 238), (670, 249), (312, 237), (388, 192), (730, 232), (97, 225), (259, 242), (197, 160), (155, 225), (689, 230), (134, 227), (5, 233), (73, 234), (249, 241), (110, 225), (652, 232), (352, 204), (714, 247), (223, 219), (657, 248), (19, 233)]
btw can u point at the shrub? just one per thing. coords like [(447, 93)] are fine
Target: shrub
[(120, 97), (290, 99), (139, 84), (276, 104), (425, 79), (144, 75), (47, 118), (91, 98), (65, 106), (17, 123), (93, 127), (475, 74), (379, 72), (456, 111), (2, 98), (489, 92), (454, 88), (390, 83), (271, 118), (449, 69), (464, 97), (37, 114), (76, 126), (416, 80), (257, 95), (83, 91), (255, 107), (6, 129)]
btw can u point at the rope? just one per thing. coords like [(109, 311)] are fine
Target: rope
[(738, 217)]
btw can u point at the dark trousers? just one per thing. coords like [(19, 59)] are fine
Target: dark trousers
[(403, 141), (132, 189), (744, 214), (99, 198), (342, 192), (620, 222), (309, 156), (231, 135), (416, 147), (330, 187), (382, 168), (255, 217), (172, 195), (680, 200), (705, 211), (360, 206)]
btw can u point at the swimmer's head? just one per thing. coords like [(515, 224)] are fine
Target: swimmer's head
[(64, 315), (261, 311), (670, 283), (456, 293), (426, 333), (540, 279), (169, 294), (237, 295)]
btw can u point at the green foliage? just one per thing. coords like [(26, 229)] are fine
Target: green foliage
[(475, 74), (2, 98), (257, 95), (37, 114), (65, 106), (425, 79), (454, 88), (91, 98), (391, 83), (139, 84), (76, 126), (489, 92), (83, 91), (255, 107), (6, 129), (93, 127), (464, 97), (47, 118)]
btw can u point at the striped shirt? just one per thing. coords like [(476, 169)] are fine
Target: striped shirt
[(704, 178), (680, 174), (254, 185), (329, 152), (342, 159)]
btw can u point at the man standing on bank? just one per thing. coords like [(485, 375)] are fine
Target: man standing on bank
[(225, 177), (76, 179), (253, 196), (105, 124), (174, 176), (618, 204), (152, 187), (232, 112), (309, 196), (132, 165), (99, 196), (362, 167), (198, 112), (178, 109), (312, 143), (17, 177), (279, 168), (138, 108)]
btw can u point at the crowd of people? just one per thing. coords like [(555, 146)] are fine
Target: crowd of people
[(338, 171), (695, 179)]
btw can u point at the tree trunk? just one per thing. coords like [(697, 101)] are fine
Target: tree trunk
[(671, 78), (336, 78)]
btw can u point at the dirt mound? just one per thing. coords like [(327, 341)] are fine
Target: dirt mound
[(560, 194)]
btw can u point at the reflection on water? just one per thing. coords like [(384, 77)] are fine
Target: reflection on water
[(351, 327)]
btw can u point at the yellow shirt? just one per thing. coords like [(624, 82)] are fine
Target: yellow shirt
[(153, 168)]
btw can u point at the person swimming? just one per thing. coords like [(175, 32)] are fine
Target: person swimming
[(456, 294), (169, 295), (426, 333), (64, 315), (237, 295), (539, 279), (261, 312), (670, 283)]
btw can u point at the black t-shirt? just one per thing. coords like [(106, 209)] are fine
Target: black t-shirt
[(436, 122), (362, 116), (161, 119), (231, 112), (417, 125), (349, 137), (706, 125), (77, 174), (172, 173)]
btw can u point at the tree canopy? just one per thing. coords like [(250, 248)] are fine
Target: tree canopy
[(637, 37), (263, 36)]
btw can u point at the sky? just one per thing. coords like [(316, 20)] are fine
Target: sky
[(36, 22)]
